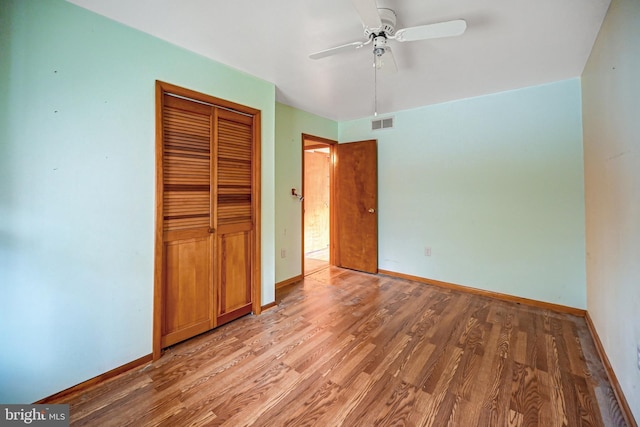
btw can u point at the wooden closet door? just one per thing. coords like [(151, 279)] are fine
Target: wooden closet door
[(187, 221), (234, 213), (207, 246)]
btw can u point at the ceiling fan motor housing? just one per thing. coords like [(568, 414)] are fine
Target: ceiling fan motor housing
[(388, 28), (379, 35)]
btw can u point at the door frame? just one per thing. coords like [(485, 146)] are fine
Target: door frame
[(256, 253), (320, 142)]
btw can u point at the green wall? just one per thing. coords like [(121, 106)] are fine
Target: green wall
[(77, 189), (611, 113), (291, 123), (493, 185)]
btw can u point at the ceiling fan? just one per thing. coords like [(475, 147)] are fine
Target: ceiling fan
[(380, 27)]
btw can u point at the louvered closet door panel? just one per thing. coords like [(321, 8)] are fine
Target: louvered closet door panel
[(233, 213), (186, 164), (234, 165), (188, 244)]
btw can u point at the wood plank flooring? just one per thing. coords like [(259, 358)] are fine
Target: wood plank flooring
[(314, 261), (344, 348)]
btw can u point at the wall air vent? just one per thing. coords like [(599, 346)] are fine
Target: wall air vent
[(384, 123)]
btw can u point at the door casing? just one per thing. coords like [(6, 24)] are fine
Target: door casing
[(338, 213), (309, 141)]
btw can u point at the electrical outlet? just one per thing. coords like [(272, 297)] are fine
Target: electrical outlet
[(427, 251), (283, 253)]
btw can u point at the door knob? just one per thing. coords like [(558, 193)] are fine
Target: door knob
[(371, 210)]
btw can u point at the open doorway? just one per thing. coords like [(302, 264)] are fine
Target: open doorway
[(317, 206)]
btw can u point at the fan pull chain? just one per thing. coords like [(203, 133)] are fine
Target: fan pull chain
[(375, 87)]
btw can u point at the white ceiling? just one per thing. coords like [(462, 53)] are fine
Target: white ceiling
[(508, 44)]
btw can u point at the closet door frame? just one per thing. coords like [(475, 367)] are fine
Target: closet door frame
[(163, 88)]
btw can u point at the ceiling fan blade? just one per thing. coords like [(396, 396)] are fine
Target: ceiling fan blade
[(431, 31), (336, 50), (386, 62), (368, 11)]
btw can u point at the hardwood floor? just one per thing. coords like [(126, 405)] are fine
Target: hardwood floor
[(352, 349), (314, 261)]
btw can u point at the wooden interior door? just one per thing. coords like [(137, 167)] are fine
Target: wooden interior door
[(187, 280), (357, 206)]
